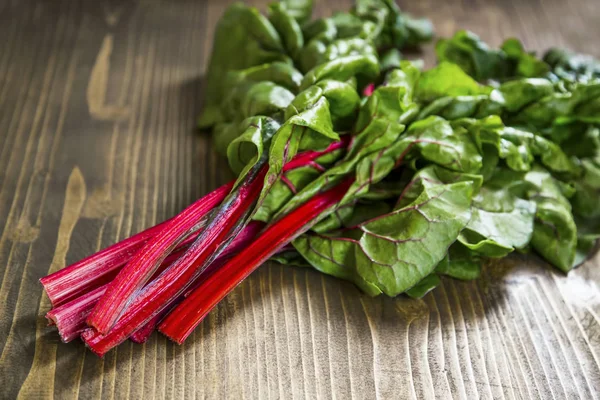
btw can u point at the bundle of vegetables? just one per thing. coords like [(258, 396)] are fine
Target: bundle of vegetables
[(359, 164)]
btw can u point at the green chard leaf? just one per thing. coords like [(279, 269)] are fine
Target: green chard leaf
[(377, 147), (290, 257), (588, 233), (472, 55), (587, 190), (481, 62), (572, 66), (577, 139), (320, 52), (517, 146), (393, 252), (288, 28), (460, 263), (555, 233), (447, 79), (500, 222), (243, 38), (309, 124), (580, 103), (342, 69), (523, 63), (349, 25), (395, 28), (522, 92), (319, 29), (390, 59), (301, 10), (445, 170), (426, 285), (255, 98), (280, 73), (378, 127), (509, 97), (455, 107), (245, 149)]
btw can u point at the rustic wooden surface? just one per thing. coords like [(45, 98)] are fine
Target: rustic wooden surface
[(97, 108)]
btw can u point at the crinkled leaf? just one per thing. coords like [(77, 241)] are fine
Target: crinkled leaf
[(426, 285), (255, 98), (577, 139), (335, 257), (342, 69), (510, 97), (481, 62), (283, 190), (586, 103), (522, 92), (523, 63), (344, 101), (352, 214), (321, 51), (555, 232), (243, 38), (395, 251), (446, 79), (376, 129), (588, 233), (411, 32), (544, 112), (247, 147), (460, 263), (581, 103), (500, 222), (290, 257), (310, 128), (309, 125), (587, 190), (455, 107), (518, 147), (390, 59), (319, 29), (280, 73), (352, 26), (435, 140), (288, 28), (572, 66), (472, 55), (395, 28), (301, 10), (432, 140)]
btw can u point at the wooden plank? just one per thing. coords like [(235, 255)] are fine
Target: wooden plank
[(97, 109)]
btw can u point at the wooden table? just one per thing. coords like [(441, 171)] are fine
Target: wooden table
[(97, 108)]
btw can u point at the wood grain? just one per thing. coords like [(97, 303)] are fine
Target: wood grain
[(97, 108)]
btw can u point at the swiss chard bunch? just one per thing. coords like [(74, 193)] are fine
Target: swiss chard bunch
[(360, 164)]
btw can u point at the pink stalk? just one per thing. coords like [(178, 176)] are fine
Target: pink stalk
[(102, 267), (143, 264), (238, 243), (95, 270), (143, 334), (190, 312), (70, 317), (161, 292)]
